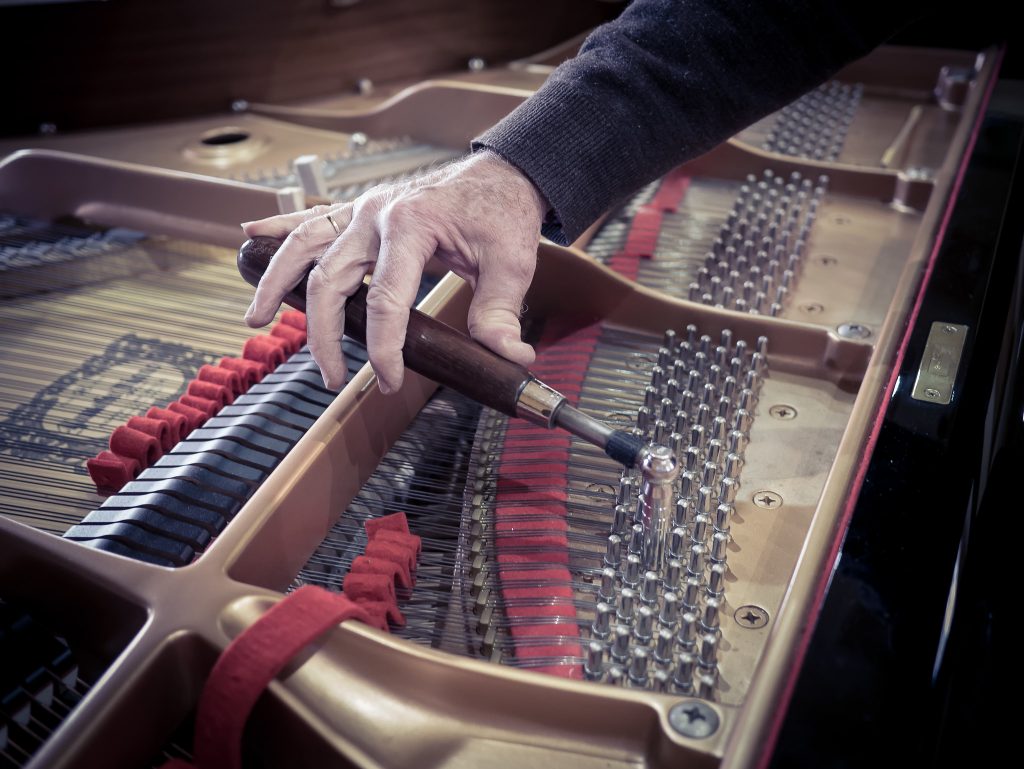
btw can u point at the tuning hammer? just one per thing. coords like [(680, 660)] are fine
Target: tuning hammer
[(450, 358)]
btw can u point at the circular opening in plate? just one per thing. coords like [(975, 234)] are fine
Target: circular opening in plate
[(223, 136)]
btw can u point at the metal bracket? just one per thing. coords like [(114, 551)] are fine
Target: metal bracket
[(939, 363)]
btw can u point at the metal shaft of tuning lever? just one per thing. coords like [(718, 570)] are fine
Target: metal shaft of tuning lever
[(452, 359)]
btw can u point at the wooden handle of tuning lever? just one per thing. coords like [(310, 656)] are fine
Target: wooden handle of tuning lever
[(433, 349)]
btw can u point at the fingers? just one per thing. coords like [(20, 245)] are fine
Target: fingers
[(332, 281), (307, 234), (281, 226), (405, 247), (497, 302)]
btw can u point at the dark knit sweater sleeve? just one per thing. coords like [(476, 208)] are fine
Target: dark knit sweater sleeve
[(668, 80)]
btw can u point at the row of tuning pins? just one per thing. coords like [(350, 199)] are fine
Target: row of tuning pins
[(659, 628), (701, 396), (755, 262), (815, 125)]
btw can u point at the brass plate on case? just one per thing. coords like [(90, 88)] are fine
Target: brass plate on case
[(939, 364)]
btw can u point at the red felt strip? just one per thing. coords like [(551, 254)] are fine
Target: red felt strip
[(531, 525), (531, 494), (158, 428), (643, 233), (642, 238), (543, 544), (253, 660), (626, 266), (128, 442), (671, 191)]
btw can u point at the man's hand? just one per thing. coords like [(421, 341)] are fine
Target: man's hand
[(480, 216)]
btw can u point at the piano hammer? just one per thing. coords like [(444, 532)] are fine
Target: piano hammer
[(454, 360)]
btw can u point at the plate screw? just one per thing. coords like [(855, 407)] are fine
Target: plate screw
[(693, 718), (767, 499), (751, 617), (782, 411), (854, 331), (812, 308), (931, 392)]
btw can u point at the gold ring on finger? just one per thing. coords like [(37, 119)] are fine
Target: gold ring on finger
[(334, 224)]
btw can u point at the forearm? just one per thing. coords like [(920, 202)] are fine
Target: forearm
[(667, 81)]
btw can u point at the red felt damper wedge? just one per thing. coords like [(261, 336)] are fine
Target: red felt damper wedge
[(394, 568), (386, 552), (292, 336), (294, 318), (140, 446), (410, 542), (208, 407), (195, 417), (266, 349), (177, 423), (253, 660), (250, 371), (373, 587), (219, 394), (158, 428), (394, 522), (402, 545), (110, 472), (221, 376)]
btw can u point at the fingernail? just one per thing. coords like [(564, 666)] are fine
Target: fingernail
[(243, 224), (384, 386), (251, 310)]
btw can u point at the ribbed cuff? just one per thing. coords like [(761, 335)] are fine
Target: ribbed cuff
[(564, 143)]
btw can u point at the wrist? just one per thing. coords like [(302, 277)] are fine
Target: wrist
[(512, 178)]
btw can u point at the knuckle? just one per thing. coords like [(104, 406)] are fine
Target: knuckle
[(304, 233), (319, 281), (381, 301), (404, 211)]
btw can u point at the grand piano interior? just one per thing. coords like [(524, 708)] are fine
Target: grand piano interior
[(822, 316)]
